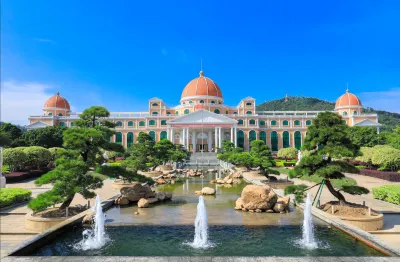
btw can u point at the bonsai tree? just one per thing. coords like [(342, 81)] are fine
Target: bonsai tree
[(228, 149), (288, 153), (143, 154), (328, 138), (179, 154), (262, 157), (242, 159), (71, 174)]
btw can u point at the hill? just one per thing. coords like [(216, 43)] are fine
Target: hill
[(294, 103)]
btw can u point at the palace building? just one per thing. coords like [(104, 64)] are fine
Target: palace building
[(202, 120)]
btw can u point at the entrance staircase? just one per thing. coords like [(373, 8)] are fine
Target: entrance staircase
[(203, 159)]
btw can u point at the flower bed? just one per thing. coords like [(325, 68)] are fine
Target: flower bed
[(14, 177), (11, 196), (388, 193), (389, 176)]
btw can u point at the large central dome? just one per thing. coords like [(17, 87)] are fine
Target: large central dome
[(201, 86)]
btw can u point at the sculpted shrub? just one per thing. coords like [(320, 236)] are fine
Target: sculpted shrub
[(288, 153), (15, 158), (389, 193)]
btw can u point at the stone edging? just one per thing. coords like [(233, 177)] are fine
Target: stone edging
[(40, 239)]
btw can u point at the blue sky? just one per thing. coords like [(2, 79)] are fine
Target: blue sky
[(121, 53)]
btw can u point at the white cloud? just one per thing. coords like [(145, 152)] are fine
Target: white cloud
[(20, 100), (388, 100), (44, 40)]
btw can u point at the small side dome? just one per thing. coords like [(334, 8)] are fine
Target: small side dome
[(348, 100), (57, 102)]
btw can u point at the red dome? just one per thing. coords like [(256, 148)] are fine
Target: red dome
[(57, 101), (348, 99), (201, 86)]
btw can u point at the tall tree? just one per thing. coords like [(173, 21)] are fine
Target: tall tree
[(13, 132), (365, 136), (327, 138), (262, 157), (5, 140), (47, 137)]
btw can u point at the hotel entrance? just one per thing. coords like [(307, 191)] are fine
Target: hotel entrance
[(202, 147)]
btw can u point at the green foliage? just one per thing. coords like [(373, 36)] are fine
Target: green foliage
[(355, 190), (47, 137), (242, 159), (297, 190), (37, 156), (383, 156), (288, 153), (13, 133), (5, 169), (388, 193), (262, 157), (5, 140), (365, 136), (11, 196), (15, 158), (55, 152)]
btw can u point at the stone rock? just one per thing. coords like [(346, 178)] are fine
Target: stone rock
[(197, 192), (211, 170), (244, 209), (282, 204), (220, 181), (259, 211), (258, 197), (213, 181), (229, 181), (208, 191), (237, 181), (239, 203), (270, 211), (88, 218), (172, 182), (251, 211), (143, 203), (137, 192), (161, 181), (272, 178), (160, 196), (136, 213), (122, 201), (237, 175), (168, 196)]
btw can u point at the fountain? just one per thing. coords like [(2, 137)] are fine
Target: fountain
[(95, 237), (308, 240), (201, 226)]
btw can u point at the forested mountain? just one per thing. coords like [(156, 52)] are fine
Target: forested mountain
[(294, 103)]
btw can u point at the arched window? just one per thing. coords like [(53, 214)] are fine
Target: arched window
[(186, 111), (163, 135), (248, 113), (190, 102), (201, 101), (248, 104), (50, 114), (163, 122), (119, 123), (142, 123), (355, 113), (216, 111), (130, 123), (154, 113), (285, 139), (252, 122), (168, 113), (129, 139), (274, 141), (154, 104), (240, 139), (308, 123), (153, 135), (285, 123), (61, 124), (72, 124), (176, 112), (152, 123), (262, 123), (297, 140), (252, 137), (263, 136), (240, 122), (297, 122), (118, 138), (235, 113), (212, 102), (59, 114), (183, 103), (273, 123), (344, 113)]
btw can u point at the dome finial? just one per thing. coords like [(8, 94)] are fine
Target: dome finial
[(201, 67), (347, 89), (58, 93)]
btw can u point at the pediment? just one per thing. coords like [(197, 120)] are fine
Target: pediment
[(36, 125), (202, 117), (367, 122)]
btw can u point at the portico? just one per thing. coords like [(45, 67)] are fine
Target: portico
[(201, 131)]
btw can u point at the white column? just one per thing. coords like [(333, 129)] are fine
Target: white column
[(187, 138), (194, 140), (182, 140), (235, 137), (231, 134), (172, 135), (220, 138), (168, 134), (216, 139), (209, 140)]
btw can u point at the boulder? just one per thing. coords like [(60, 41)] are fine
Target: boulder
[(237, 175), (213, 181), (229, 181), (258, 197), (88, 218), (122, 201), (168, 196), (259, 211), (220, 181), (137, 192), (160, 196), (161, 181), (197, 192), (208, 191), (239, 204), (270, 211), (282, 204)]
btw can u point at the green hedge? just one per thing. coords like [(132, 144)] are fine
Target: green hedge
[(388, 193), (10, 196)]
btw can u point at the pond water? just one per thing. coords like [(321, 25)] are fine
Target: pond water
[(167, 228)]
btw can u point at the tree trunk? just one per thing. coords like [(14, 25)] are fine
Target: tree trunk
[(66, 203), (337, 194), (154, 168)]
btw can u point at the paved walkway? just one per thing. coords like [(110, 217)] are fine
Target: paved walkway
[(12, 220)]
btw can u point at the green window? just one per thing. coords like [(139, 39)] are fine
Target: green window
[(235, 113), (129, 139), (152, 123), (297, 122), (262, 123), (50, 114), (61, 124), (248, 104), (59, 114), (308, 123), (273, 123), (216, 111), (286, 139), (163, 122), (201, 101), (119, 123), (344, 113), (240, 122), (285, 123), (163, 135), (154, 113), (248, 113), (72, 124), (186, 111), (252, 137), (142, 123), (297, 140), (190, 102), (240, 139), (252, 122), (154, 104), (212, 102), (355, 113), (130, 123), (168, 113), (263, 136), (176, 112), (274, 141), (118, 138), (153, 135)]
